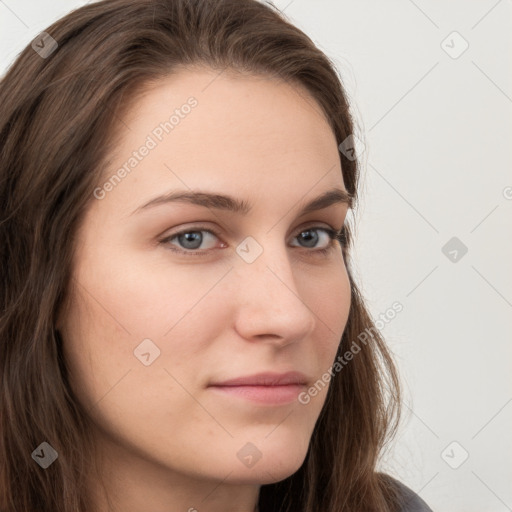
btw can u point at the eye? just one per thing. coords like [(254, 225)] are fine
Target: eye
[(311, 237), (189, 240)]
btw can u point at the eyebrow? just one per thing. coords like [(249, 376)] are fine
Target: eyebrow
[(232, 204)]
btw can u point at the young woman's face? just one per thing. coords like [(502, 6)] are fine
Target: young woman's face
[(158, 321)]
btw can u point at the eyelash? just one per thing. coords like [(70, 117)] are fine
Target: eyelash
[(333, 235)]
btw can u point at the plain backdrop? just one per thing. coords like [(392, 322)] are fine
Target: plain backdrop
[(431, 87)]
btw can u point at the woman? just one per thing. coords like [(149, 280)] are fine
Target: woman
[(180, 327)]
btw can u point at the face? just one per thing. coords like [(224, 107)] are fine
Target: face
[(186, 319)]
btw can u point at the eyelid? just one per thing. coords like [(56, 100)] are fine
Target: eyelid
[(333, 234), (200, 227)]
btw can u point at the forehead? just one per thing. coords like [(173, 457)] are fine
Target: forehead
[(234, 132)]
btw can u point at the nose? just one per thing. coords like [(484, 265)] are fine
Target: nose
[(271, 305)]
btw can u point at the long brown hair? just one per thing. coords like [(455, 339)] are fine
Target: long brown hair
[(58, 111)]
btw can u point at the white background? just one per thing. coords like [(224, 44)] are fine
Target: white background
[(437, 132)]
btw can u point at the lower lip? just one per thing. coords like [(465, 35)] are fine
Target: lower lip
[(270, 395)]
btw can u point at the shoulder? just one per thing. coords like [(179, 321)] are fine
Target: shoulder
[(408, 500)]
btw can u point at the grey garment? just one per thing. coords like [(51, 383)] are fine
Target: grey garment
[(410, 501)]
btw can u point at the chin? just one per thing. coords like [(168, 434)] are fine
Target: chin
[(265, 473), (279, 460)]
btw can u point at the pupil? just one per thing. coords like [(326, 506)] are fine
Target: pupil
[(312, 236), (189, 238)]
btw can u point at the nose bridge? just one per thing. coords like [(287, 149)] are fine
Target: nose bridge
[(268, 291), (266, 259)]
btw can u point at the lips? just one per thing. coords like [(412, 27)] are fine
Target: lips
[(263, 388), (266, 379)]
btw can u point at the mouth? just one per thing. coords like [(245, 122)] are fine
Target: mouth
[(264, 388)]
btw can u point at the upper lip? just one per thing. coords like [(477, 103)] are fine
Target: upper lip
[(266, 379)]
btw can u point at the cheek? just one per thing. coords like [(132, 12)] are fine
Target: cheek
[(125, 298), (142, 405), (329, 299), (128, 312), (122, 300)]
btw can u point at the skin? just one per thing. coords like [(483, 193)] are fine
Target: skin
[(165, 440)]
